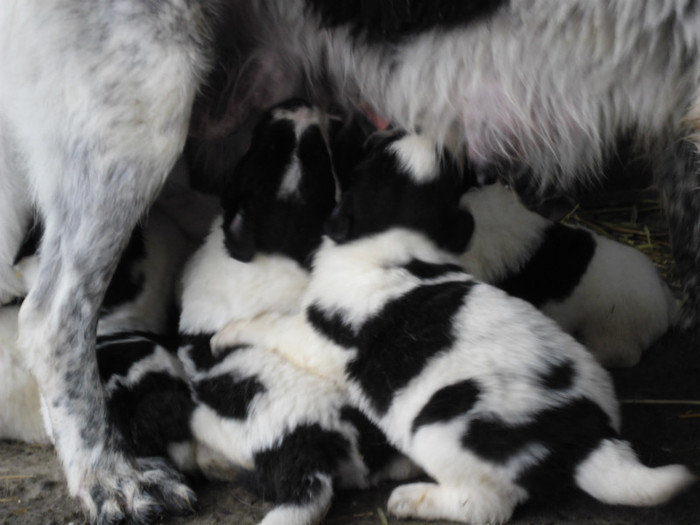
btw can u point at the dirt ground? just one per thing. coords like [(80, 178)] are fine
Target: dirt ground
[(662, 429)]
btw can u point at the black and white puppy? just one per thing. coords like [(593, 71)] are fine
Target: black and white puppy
[(608, 295), (94, 113), (480, 389), (294, 433)]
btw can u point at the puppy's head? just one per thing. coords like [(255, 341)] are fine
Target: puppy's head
[(405, 181), (283, 190)]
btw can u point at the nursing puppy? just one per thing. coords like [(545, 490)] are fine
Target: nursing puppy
[(608, 295), (480, 389), (95, 112), (292, 434)]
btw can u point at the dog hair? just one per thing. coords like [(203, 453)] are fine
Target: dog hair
[(607, 294), (480, 389), (95, 110), (292, 434), (144, 384)]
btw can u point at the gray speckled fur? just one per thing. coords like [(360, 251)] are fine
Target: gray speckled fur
[(98, 108)]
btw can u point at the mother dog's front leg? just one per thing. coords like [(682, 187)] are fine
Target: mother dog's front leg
[(98, 101)]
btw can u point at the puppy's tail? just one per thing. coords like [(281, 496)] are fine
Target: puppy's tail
[(613, 474)]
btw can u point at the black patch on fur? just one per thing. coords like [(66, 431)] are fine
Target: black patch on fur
[(152, 413), (331, 326), (448, 403), (228, 396), (396, 343), (374, 448), (559, 377), (31, 241), (381, 196), (128, 279), (256, 219), (425, 270), (569, 432), (392, 20), (116, 356), (200, 351), (556, 267), (288, 472)]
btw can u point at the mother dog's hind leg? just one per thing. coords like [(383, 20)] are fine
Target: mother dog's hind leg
[(678, 176), (99, 102)]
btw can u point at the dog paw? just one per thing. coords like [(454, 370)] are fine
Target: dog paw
[(407, 501), (244, 332), (140, 492), (227, 337)]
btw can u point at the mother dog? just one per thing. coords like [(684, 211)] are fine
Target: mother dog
[(96, 101)]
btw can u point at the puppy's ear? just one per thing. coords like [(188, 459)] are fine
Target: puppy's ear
[(339, 225), (461, 227), (239, 236)]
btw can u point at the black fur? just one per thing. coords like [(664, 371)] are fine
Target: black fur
[(391, 20), (154, 413), (382, 373), (331, 325), (376, 451), (555, 269), (288, 472), (560, 377), (425, 270), (403, 202), (448, 403), (569, 433), (115, 357), (31, 241), (200, 351), (255, 219), (227, 396)]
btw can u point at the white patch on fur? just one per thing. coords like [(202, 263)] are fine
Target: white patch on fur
[(311, 513), (474, 504), (418, 156), (289, 187), (612, 474), (20, 403), (505, 233), (218, 288)]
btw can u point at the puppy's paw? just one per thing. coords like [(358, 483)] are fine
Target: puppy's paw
[(253, 331), (228, 336), (407, 501)]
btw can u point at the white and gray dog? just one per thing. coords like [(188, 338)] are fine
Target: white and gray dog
[(479, 388), (96, 100)]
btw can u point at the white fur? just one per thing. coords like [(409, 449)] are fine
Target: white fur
[(619, 307), (20, 416), (613, 475), (417, 155), (218, 288)]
